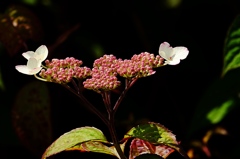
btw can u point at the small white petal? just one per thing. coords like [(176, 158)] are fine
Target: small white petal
[(42, 52), (165, 50), (180, 52), (32, 63), (35, 70), (28, 54), (25, 70), (174, 62), (22, 69)]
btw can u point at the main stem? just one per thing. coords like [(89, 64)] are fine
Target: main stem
[(113, 134), (112, 114), (107, 101)]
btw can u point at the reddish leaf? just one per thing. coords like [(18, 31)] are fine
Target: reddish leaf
[(9, 37), (17, 25), (157, 134), (99, 147), (139, 147), (31, 117)]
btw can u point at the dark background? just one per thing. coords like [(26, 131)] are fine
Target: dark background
[(124, 28)]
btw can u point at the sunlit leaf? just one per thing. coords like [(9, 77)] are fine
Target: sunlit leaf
[(139, 147), (232, 47), (74, 137), (218, 101), (31, 117), (218, 113), (17, 25), (156, 134)]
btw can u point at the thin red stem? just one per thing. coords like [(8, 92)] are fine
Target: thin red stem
[(88, 105), (129, 84)]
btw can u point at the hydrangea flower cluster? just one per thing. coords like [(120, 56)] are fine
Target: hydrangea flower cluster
[(105, 69), (63, 70)]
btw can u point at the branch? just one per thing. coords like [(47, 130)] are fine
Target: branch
[(88, 105)]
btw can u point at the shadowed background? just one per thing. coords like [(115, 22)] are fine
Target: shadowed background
[(87, 30)]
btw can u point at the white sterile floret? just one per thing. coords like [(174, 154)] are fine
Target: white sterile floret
[(35, 60), (172, 55)]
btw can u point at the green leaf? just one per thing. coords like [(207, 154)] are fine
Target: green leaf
[(232, 47), (156, 134), (99, 147), (31, 117), (74, 137), (218, 101), (218, 113)]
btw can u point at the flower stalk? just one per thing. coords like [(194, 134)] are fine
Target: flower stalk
[(114, 137), (88, 105)]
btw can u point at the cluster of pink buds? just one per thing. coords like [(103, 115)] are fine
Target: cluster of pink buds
[(103, 74), (134, 69), (149, 59), (139, 66), (106, 68), (69, 62), (63, 70)]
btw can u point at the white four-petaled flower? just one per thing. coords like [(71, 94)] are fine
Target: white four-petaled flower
[(172, 55), (35, 60)]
